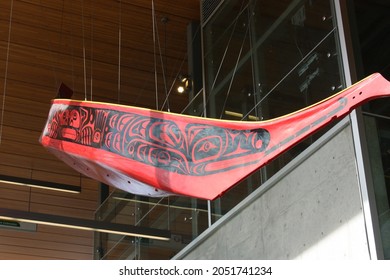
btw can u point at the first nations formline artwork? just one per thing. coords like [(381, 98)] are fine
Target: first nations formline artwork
[(155, 153)]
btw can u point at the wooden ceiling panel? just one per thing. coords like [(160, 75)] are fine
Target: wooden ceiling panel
[(60, 36), (77, 43)]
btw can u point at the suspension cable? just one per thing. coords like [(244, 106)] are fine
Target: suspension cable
[(119, 50), (72, 52), (234, 73), (92, 24), (49, 43), (253, 56), (224, 56), (85, 72), (154, 54), (177, 75), (191, 101), (288, 73), (234, 25), (163, 65)]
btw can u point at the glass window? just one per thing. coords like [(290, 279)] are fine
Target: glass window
[(373, 56), (265, 59), (185, 218), (378, 139)]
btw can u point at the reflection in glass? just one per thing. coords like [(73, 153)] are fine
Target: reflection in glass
[(378, 139), (265, 59), (185, 218)]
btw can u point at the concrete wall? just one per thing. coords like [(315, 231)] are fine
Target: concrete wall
[(311, 209)]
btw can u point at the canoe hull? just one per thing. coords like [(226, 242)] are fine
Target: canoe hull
[(156, 153)]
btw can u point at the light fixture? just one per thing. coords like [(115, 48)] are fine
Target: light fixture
[(16, 225), (185, 83), (39, 184), (180, 89), (83, 224)]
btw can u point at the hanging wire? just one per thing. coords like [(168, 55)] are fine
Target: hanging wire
[(49, 43), (154, 53), (191, 101), (288, 74), (6, 69), (85, 72), (155, 68), (92, 24), (227, 48), (174, 80), (61, 37), (147, 82), (234, 25), (251, 39), (72, 51), (161, 60), (156, 34), (177, 75), (216, 77), (223, 57), (119, 50), (163, 65), (234, 73)]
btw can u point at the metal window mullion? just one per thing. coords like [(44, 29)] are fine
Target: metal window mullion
[(361, 151)]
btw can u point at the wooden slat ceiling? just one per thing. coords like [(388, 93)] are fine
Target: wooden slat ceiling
[(77, 43), (52, 40), (59, 41)]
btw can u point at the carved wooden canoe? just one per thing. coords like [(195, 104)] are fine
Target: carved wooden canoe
[(156, 153)]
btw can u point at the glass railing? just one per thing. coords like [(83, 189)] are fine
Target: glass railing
[(377, 128), (184, 218)]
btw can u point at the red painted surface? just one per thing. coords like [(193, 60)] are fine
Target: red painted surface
[(157, 153)]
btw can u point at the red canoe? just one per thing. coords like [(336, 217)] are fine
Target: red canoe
[(156, 153)]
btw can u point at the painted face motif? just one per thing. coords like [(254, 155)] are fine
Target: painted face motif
[(195, 149), (64, 118), (74, 119), (70, 124)]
